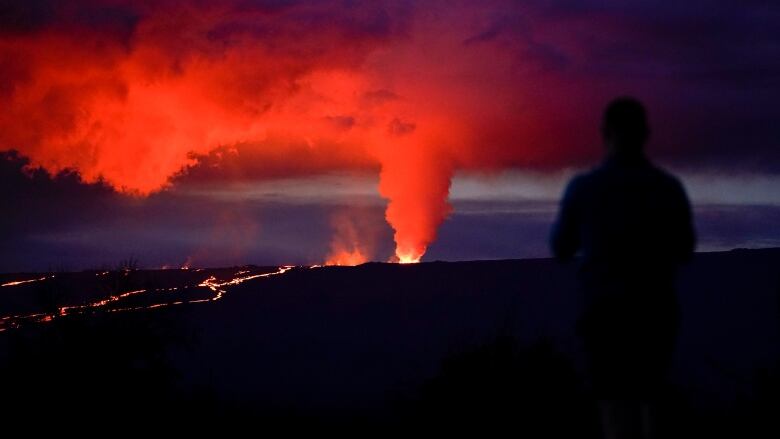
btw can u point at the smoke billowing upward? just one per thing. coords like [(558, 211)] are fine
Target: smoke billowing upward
[(351, 245), (140, 94)]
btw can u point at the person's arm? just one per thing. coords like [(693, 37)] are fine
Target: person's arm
[(565, 236)]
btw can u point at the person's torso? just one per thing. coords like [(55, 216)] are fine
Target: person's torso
[(629, 216)]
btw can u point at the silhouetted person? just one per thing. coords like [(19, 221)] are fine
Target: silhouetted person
[(631, 222)]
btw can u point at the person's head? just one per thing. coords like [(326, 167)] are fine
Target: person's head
[(624, 127)]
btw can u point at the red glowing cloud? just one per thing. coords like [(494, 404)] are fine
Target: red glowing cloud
[(305, 86)]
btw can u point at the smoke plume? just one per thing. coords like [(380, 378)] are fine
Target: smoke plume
[(137, 94)]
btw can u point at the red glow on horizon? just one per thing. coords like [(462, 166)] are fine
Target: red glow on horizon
[(409, 259), (351, 244), (347, 258), (419, 104)]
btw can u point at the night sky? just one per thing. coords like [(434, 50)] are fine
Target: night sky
[(230, 132)]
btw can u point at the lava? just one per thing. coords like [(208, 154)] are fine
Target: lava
[(218, 287), (22, 282)]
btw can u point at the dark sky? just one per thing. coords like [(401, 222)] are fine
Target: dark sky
[(272, 132)]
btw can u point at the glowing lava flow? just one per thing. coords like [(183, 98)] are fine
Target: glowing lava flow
[(65, 310), (215, 286), (21, 282), (212, 283)]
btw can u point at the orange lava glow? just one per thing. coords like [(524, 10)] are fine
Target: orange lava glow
[(416, 103), (218, 287), (348, 258), (351, 244), (22, 282), (409, 259)]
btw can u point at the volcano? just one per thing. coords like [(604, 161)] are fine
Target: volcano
[(374, 344)]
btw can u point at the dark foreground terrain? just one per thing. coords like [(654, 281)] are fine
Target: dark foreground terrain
[(379, 348)]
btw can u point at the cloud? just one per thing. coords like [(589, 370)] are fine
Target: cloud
[(143, 95), (62, 223)]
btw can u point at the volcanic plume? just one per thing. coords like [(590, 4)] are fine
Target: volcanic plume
[(135, 94), (352, 242)]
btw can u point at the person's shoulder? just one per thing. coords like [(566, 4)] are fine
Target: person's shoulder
[(666, 178), (592, 176), (581, 179), (580, 183)]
